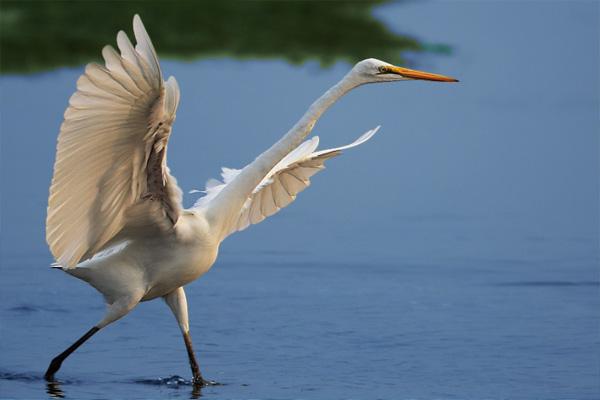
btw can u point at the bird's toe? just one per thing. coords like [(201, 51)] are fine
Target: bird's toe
[(200, 381)]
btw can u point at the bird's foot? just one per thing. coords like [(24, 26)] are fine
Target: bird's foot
[(52, 369), (200, 381)]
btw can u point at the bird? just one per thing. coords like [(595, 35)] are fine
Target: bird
[(115, 217)]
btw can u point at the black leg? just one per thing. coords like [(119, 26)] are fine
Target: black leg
[(192, 357), (197, 379), (58, 360)]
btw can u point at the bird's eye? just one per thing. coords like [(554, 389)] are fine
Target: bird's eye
[(382, 69)]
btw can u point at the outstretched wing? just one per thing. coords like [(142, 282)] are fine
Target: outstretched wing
[(281, 185), (110, 169)]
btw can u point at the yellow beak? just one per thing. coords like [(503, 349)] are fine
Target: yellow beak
[(414, 74)]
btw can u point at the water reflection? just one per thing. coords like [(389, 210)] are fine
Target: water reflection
[(41, 35), (176, 382), (54, 390), (196, 392)]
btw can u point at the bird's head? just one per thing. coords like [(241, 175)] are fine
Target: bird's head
[(372, 70)]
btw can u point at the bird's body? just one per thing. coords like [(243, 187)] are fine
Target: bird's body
[(115, 218), (151, 266)]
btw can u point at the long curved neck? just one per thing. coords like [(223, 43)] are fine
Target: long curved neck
[(230, 200), (304, 126)]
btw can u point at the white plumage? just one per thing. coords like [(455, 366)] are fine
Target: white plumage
[(280, 186), (117, 122), (115, 218)]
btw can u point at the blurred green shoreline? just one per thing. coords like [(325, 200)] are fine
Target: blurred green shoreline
[(42, 35)]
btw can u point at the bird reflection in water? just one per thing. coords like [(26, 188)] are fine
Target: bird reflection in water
[(196, 392), (54, 390)]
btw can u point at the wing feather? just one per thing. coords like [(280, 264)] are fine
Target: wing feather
[(110, 171), (281, 186)]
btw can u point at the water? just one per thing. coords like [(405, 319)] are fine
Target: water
[(313, 330), (455, 256)]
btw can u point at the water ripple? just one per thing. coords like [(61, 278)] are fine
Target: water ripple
[(29, 377), (171, 381), (31, 308), (549, 283), (19, 376)]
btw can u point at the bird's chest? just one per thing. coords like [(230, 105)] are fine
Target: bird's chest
[(177, 268), (192, 261), (178, 262)]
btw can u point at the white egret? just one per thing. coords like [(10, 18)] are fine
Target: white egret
[(115, 218)]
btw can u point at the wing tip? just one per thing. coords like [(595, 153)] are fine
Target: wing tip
[(368, 135), (138, 27), (123, 41), (361, 139)]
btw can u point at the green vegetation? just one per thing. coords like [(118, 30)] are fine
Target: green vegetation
[(40, 35)]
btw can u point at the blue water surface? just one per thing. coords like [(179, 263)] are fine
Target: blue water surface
[(455, 256)]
